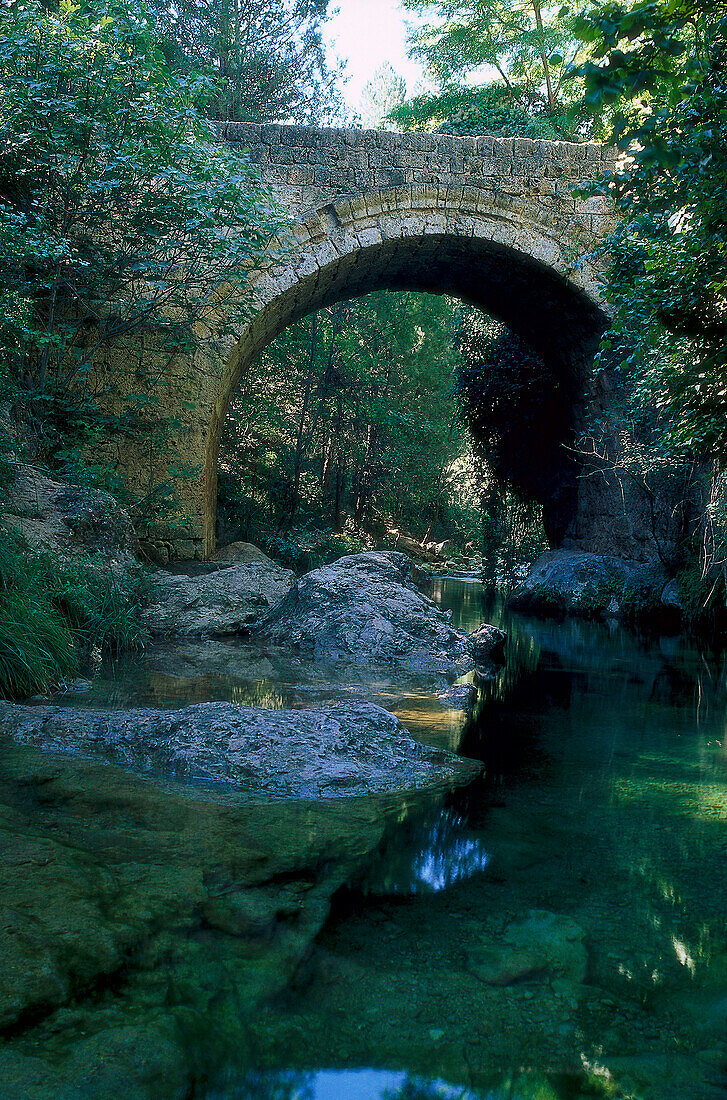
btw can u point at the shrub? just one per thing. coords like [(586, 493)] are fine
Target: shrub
[(52, 613), (303, 548)]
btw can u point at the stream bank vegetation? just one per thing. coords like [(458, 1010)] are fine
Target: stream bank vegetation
[(56, 616), (121, 220)]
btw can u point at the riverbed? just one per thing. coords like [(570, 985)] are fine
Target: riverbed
[(557, 930)]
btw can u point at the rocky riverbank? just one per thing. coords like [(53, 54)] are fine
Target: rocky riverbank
[(597, 586), (144, 921), (328, 752), (166, 870)]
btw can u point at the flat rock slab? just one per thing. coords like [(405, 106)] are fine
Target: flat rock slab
[(366, 607), (334, 751), (227, 601)]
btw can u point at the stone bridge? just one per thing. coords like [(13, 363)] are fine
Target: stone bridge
[(498, 222)]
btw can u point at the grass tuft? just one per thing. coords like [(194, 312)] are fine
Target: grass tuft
[(52, 613)]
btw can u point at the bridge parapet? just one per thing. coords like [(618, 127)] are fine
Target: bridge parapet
[(310, 166)]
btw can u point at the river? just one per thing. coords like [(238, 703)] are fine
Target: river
[(555, 931)]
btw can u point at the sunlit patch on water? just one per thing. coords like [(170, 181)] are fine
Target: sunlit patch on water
[(354, 1084)]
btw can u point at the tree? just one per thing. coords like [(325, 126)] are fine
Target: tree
[(663, 64), (525, 50), (521, 422), (382, 95), (349, 421), (121, 217), (266, 59)]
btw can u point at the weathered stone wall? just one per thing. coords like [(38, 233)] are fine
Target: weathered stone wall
[(308, 167), (497, 222)]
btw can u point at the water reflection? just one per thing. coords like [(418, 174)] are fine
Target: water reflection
[(375, 1084), (171, 676), (429, 856), (599, 829), (589, 924)]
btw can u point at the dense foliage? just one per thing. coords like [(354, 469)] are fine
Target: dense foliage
[(122, 224), (54, 613), (662, 68), (121, 219), (348, 423), (498, 67), (664, 64), (265, 59)]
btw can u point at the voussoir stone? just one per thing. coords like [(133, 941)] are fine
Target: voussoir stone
[(333, 751), (226, 601), (366, 607)]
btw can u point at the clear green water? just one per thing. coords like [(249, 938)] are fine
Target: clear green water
[(556, 931)]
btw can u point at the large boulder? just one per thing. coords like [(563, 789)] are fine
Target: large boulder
[(328, 752), (226, 601), (488, 644), (67, 521), (578, 583), (366, 607), (240, 553)]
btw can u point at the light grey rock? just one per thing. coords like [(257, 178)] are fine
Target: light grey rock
[(52, 517), (545, 943), (458, 696), (576, 582), (488, 643), (227, 601), (336, 751), (366, 607)]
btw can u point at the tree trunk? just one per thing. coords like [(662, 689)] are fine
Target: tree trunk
[(544, 54)]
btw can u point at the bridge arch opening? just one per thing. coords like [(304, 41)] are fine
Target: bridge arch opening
[(516, 273)]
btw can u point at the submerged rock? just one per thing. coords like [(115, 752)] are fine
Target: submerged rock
[(545, 943), (135, 914), (366, 607), (579, 583), (328, 752), (226, 601)]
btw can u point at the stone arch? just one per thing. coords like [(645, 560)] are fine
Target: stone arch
[(526, 263)]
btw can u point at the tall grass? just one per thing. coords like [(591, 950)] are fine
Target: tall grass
[(52, 612)]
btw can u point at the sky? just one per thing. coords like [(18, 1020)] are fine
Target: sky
[(366, 33)]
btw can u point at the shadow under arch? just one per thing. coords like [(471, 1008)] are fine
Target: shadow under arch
[(536, 276)]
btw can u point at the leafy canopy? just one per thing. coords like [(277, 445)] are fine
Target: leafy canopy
[(663, 63), (120, 215), (265, 59), (499, 67)]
